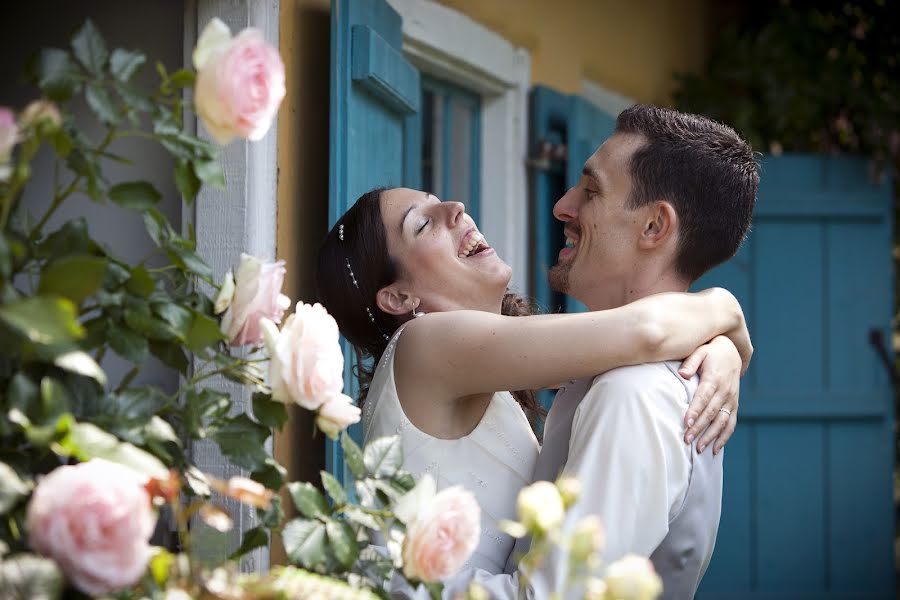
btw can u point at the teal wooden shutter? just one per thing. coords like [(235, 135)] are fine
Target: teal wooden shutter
[(375, 98), (807, 509)]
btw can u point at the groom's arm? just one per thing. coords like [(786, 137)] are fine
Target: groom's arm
[(627, 452)]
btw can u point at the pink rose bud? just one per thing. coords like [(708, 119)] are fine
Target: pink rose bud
[(442, 534), (306, 365), (9, 135), (94, 519), (257, 295), (240, 82), (337, 414), (41, 113)]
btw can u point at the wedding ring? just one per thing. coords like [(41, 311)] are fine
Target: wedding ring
[(726, 411)]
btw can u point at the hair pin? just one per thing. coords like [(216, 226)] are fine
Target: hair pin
[(341, 232), (352, 276)]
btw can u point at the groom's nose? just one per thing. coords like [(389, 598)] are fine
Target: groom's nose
[(566, 208)]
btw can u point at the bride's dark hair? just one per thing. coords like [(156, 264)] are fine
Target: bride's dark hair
[(353, 265)]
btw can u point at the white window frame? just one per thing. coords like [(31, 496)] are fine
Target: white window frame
[(448, 45)]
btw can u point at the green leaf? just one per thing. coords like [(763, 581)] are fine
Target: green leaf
[(140, 282), (81, 363), (270, 413), (182, 78), (12, 488), (202, 407), (308, 499), (204, 332), (74, 277), (139, 318), (128, 344), (170, 354), (188, 260), (159, 430), (62, 142), (160, 565), (47, 320), (6, 262), (30, 577), (210, 172), (136, 195), (157, 226), (86, 441), (101, 104), (272, 475), (186, 180), (56, 74), (273, 517), (243, 441), (304, 542), (178, 317), (124, 64), (353, 456), (139, 403), (384, 456), (357, 515), (89, 47), (342, 542), (334, 488), (252, 539)]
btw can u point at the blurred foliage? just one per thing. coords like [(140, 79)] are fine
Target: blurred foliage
[(808, 77)]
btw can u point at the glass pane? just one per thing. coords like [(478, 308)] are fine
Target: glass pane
[(461, 155), (432, 142)]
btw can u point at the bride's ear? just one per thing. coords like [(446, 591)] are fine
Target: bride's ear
[(394, 301)]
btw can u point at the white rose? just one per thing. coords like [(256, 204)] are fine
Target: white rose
[(540, 507), (336, 414), (633, 578)]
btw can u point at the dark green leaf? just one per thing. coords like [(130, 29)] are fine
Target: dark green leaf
[(178, 317), (342, 542), (182, 78), (270, 413), (12, 488), (384, 456), (116, 275), (139, 318), (272, 475), (304, 542), (274, 516), (6, 262), (308, 499), (55, 73), (171, 355), (404, 481), (252, 539), (353, 456), (204, 332), (62, 142), (47, 320), (202, 407), (101, 104), (89, 47), (188, 260), (140, 282), (134, 98), (210, 172), (157, 226), (74, 277), (128, 344), (334, 488), (124, 64), (54, 399), (186, 180), (139, 403), (243, 441), (136, 195), (30, 577)]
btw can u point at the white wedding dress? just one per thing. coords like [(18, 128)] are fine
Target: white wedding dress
[(493, 462)]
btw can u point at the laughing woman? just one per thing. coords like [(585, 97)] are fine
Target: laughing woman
[(400, 261)]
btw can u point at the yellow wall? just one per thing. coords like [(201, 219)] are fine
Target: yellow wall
[(631, 47)]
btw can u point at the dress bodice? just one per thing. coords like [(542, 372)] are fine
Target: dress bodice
[(493, 462)]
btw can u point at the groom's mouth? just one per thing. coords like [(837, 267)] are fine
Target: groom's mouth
[(569, 250)]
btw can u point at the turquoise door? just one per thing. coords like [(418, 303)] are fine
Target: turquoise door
[(808, 498), (375, 125)]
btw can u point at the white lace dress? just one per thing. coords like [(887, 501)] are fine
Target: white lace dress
[(493, 462)]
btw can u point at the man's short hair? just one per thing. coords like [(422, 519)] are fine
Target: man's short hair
[(705, 170)]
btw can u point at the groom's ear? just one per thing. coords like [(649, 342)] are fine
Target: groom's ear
[(394, 301), (660, 226)]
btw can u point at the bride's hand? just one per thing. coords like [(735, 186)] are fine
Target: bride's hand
[(720, 367)]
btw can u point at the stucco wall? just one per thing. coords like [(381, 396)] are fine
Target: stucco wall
[(629, 47)]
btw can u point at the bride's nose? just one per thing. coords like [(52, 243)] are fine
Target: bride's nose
[(455, 212)]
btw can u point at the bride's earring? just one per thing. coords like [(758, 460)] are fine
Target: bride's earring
[(418, 314)]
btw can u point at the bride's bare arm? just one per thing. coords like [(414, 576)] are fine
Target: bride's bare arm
[(468, 352)]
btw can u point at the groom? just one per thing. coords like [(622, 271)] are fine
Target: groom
[(666, 198)]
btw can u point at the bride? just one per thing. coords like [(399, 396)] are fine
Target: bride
[(400, 261)]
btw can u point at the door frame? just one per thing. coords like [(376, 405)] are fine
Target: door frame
[(446, 44)]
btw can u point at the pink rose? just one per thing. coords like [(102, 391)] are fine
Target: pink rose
[(442, 530), (254, 293), (240, 82), (94, 519), (337, 413), (9, 135), (306, 365)]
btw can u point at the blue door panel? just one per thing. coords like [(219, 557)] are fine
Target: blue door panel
[(812, 468), (374, 137)]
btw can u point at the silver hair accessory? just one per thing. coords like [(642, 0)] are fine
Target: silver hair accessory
[(352, 276), (341, 232)]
